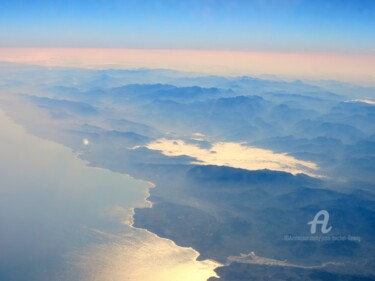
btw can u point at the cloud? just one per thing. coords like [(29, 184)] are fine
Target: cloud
[(235, 155)]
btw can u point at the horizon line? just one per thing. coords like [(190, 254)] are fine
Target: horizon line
[(354, 68)]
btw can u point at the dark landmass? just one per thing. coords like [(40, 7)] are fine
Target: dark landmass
[(222, 212), (253, 272)]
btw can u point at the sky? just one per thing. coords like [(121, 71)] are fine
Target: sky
[(312, 39), (257, 25)]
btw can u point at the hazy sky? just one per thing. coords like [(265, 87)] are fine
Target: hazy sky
[(314, 39), (258, 25)]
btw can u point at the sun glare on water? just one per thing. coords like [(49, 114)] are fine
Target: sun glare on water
[(143, 256)]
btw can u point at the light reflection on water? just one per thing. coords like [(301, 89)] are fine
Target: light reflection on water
[(49, 201), (142, 256)]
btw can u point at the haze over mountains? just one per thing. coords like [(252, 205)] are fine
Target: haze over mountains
[(115, 119)]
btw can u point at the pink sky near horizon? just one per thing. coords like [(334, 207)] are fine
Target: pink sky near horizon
[(348, 67)]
